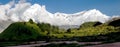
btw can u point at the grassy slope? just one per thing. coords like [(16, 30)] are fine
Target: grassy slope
[(87, 29), (21, 31), (33, 31)]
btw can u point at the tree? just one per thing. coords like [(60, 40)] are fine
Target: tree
[(31, 21), (69, 31)]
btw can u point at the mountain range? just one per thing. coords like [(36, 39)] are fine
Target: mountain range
[(23, 11)]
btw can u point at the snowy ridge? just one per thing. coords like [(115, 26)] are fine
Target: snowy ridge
[(81, 17)]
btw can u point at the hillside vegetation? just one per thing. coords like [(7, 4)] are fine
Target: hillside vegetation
[(89, 31)]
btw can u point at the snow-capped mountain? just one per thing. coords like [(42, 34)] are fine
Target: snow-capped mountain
[(81, 17), (39, 14), (25, 11)]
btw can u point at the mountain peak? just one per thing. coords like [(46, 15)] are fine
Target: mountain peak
[(94, 11), (95, 15)]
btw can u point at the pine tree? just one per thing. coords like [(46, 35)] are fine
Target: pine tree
[(31, 21)]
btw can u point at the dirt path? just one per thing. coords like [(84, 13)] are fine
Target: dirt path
[(117, 44), (59, 42)]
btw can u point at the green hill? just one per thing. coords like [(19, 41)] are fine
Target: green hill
[(90, 24), (28, 31), (115, 23), (20, 31)]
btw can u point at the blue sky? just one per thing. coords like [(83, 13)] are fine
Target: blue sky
[(108, 7)]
